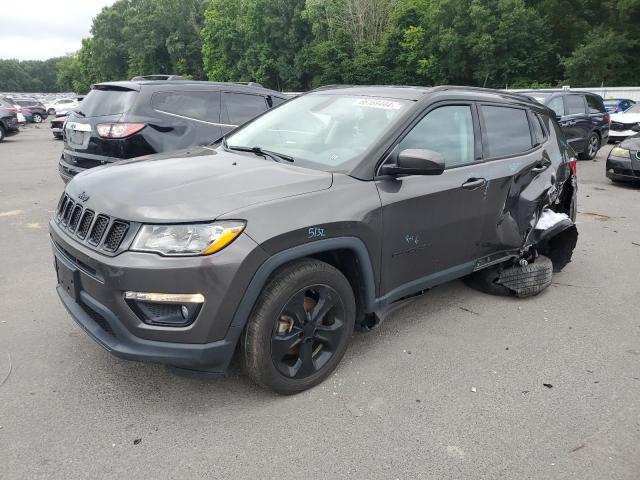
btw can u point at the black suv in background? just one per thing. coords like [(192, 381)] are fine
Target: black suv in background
[(38, 111), (582, 116), (122, 120)]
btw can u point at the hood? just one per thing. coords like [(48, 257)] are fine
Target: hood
[(631, 143), (200, 184), (625, 117)]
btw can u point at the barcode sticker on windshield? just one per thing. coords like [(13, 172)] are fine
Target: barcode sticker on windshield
[(377, 103)]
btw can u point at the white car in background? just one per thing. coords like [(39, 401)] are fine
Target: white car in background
[(61, 105), (625, 124)]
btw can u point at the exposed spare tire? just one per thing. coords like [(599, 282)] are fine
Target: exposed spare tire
[(514, 280)]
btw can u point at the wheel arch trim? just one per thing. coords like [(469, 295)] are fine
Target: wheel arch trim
[(275, 261)]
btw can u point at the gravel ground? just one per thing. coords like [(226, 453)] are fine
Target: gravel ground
[(451, 386)]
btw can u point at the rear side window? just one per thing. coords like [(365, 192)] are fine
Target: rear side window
[(204, 106), (507, 131), (595, 104), (539, 133), (106, 102), (574, 104), (241, 107), (557, 105), (447, 130), (277, 101)]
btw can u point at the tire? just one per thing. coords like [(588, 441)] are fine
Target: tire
[(37, 118), (2, 134), (283, 348), (514, 281), (51, 111), (593, 146)]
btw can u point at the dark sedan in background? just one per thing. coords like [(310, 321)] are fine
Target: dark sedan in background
[(582, 117), (623, 162)]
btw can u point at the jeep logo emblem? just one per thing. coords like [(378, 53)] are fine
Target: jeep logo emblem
[(83, 196)]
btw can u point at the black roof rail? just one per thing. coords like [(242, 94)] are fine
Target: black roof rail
[(142, 78)]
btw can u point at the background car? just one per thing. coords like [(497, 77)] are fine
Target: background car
[(8, 122), (618, 105), (582, 117), (57, 125), (121, 120), (623, 162), (38, 112), (61, 105), (625, 124)]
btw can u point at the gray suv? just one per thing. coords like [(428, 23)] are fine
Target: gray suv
[(305, 223)]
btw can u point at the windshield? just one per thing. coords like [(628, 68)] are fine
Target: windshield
[(324, 129), (634, 109)]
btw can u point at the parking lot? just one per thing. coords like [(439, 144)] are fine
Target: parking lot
[(455, 384)]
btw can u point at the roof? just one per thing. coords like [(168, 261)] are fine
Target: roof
[(135, 85), (417, 92)]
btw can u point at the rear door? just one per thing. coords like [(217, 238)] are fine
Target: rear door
[(514, 155), (576, 123), (239, 108), (431, 224)]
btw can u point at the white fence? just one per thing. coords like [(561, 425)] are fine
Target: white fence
[(632, 93)]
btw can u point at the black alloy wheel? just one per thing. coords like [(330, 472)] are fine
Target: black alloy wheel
[(308, 331)]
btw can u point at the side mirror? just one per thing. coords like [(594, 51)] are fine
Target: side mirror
[(558, 117), (416, 162)]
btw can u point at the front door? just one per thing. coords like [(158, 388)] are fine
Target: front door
[(432, 224)]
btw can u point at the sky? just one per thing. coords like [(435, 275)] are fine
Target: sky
[(41, 29)]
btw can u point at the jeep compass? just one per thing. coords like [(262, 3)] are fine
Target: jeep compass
[(305, 223)]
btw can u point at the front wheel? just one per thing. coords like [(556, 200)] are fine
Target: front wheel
[(593, 145), (51, 111), (37, 118), (299, 328), (2, 134)]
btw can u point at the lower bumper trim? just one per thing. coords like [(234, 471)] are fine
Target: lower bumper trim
[(210, 358)]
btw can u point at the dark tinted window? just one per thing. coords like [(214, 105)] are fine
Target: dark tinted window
[(507, 130), (107, 102), (539, 132), (595, 104), (203, 106), (574, 104), (446, 130), (557, 105), (277, 101), (242, 107)]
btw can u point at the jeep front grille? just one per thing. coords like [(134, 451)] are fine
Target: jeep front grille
[(96, 230)]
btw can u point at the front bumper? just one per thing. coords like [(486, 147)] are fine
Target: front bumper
[(93, 293)]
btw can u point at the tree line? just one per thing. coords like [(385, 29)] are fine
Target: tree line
[(300, 44)]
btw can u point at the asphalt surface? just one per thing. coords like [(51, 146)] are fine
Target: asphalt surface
[(450, 387)]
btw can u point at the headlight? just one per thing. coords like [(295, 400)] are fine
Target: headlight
[(181, 240), (620, 152)]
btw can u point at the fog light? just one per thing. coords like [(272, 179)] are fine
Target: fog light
[(165, 297), (165, 309)]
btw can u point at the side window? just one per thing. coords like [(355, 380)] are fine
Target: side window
[(507, 130), (557, 105), (595, 104), (538, 130), (204, 105), (574, 104), (241, 107), (447, 130), (277, 101)]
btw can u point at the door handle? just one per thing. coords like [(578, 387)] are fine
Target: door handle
[(474, 183), (541, 167)]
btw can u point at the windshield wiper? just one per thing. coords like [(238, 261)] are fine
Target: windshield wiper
[(78, 112), (276, 157)]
